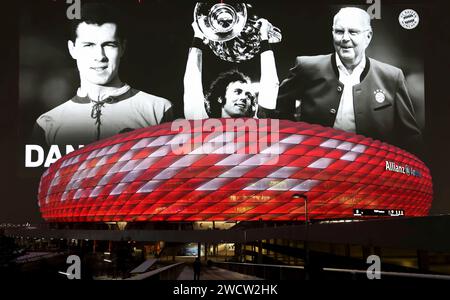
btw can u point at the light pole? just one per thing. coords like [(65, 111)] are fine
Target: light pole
[(306, 248)]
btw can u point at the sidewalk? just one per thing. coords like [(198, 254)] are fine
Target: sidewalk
[(213, 273)]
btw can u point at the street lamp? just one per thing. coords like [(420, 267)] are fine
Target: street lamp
[(306, 248), (305, 198)]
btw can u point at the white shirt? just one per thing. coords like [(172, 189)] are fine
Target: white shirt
[(345, 118), (71, 123)]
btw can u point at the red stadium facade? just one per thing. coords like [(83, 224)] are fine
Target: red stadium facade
[(250, 170)]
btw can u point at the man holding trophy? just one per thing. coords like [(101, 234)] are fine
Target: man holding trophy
[(231, 94)]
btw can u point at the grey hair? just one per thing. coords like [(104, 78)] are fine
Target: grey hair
[(360, 11)]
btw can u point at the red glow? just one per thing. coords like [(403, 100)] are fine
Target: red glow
[(118, 180)]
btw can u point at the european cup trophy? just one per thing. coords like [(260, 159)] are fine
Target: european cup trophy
[(232, 33)]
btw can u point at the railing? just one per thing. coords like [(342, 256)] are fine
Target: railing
[(265, 271), (362, 274), (165, 273), (281, 272), (36, 256)]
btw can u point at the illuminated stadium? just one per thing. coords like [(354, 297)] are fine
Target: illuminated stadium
[(238, 173)]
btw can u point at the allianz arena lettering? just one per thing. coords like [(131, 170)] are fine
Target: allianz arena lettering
[(140, 176)]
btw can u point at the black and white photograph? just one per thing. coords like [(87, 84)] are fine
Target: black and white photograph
[(300, 68)]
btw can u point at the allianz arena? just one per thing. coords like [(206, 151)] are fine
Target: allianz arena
[(252, 170)]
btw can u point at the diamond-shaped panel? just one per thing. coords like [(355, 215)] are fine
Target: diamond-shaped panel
[(158, 174)]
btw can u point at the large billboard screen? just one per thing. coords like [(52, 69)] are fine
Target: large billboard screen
[(89, 71)]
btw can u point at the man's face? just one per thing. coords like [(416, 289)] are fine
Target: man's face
[(97, 50), (239, 98), (351, 36)]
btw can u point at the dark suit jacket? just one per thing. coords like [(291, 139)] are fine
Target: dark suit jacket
[(315, 81)]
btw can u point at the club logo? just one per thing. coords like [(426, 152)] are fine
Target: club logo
[(408, 19), (379, 95)]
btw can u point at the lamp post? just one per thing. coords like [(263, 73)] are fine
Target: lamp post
[(306, 248)]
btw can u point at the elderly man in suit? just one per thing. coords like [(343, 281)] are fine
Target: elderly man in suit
[(349, 91)]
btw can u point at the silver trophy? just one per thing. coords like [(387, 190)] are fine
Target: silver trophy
[(233, 36)]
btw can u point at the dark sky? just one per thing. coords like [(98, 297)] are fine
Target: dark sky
[(41, 73)]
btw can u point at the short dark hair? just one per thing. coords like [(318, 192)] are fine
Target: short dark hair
[(218, 90), (98, 13)]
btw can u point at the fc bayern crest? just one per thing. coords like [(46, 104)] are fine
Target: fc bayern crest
[(379, 95), (408, 19)]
